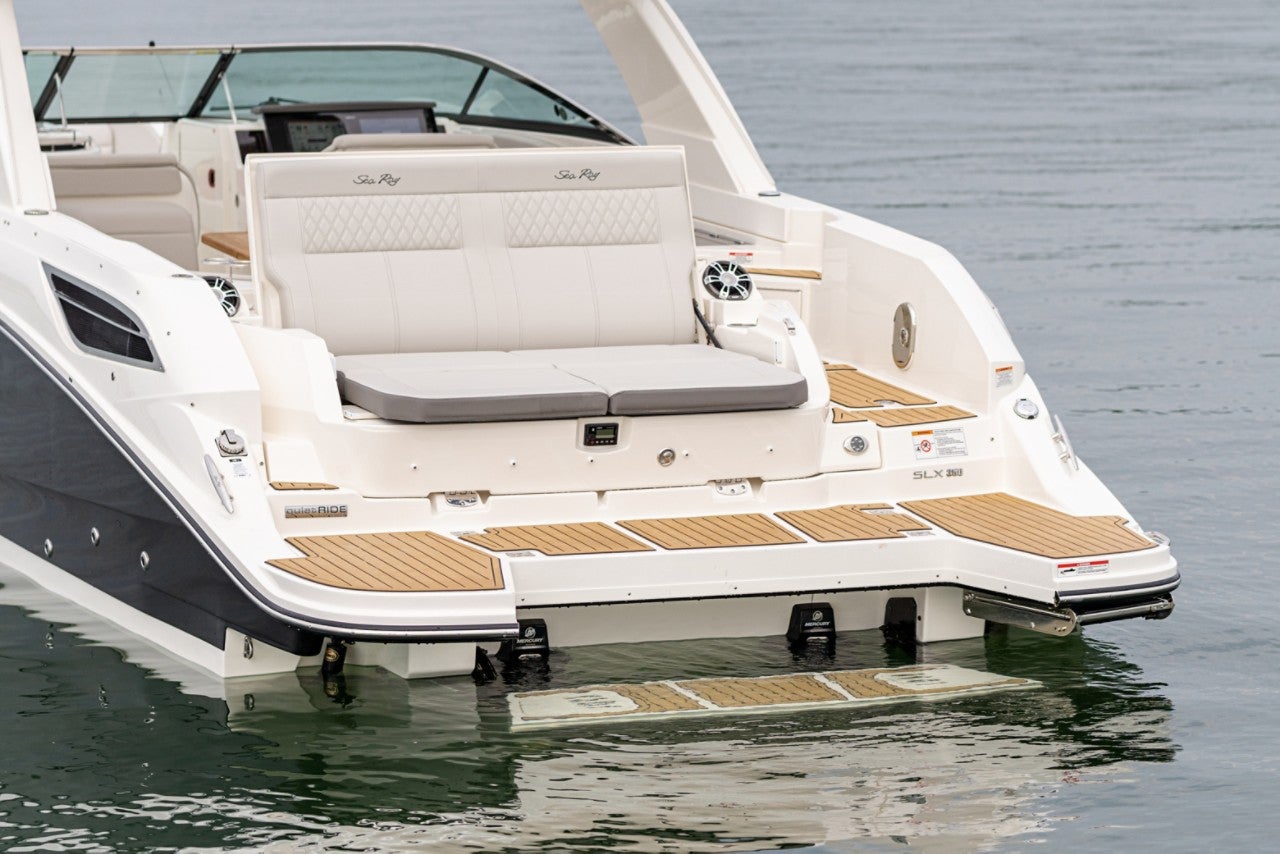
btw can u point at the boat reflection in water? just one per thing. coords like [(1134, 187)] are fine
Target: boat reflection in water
[(377, 761)]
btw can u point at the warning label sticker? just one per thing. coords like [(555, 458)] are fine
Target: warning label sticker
[(1004, 376), (939, 444), (1084, 567)]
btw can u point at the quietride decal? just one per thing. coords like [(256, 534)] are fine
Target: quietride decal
[(315, 511)]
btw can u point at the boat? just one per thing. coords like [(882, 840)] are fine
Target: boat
[(389, 354)]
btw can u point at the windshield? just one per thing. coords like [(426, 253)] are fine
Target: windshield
[(40, 65), (134, 85), (326, 75), (158, 84)]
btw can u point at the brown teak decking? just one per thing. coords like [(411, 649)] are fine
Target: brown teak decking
[(1003, 520), (851, 387), (405, 562), (712, 532), (761, 691), (900, 416), (573, 538), (849, 522)]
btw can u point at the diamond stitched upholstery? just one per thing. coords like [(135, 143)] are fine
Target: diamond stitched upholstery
[(379, 223), (581, 218), (457, 250)]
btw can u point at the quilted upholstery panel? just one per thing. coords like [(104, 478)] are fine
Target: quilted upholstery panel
[(379, 223), (581, 218)]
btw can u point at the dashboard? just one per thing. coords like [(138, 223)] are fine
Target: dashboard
[(313, 127)]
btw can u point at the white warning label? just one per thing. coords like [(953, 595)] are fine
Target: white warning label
[(1004, 376), (1084, 567), (939, 444)]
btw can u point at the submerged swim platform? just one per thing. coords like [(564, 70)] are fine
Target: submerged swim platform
[(751, 695)]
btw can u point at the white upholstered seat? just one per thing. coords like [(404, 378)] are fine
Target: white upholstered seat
[(400, 259), (145, 198)]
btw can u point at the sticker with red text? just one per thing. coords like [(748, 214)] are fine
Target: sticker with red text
[(1084, 567), (939, 444)]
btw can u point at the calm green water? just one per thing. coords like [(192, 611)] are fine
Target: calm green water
[(1108, 172)]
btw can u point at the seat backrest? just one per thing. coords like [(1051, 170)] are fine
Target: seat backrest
[(397, 141), (146, 198), (506, 249)]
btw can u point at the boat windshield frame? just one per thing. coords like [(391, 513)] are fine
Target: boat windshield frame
[(199, 84)]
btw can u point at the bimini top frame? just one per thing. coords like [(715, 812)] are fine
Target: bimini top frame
[(165, 84)]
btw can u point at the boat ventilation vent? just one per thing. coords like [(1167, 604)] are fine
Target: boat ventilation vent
[(101, 325)]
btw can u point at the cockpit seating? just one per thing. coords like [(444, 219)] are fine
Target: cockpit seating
[(145, 198), (499, 285)]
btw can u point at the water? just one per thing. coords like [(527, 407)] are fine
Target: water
[(1108, 172)]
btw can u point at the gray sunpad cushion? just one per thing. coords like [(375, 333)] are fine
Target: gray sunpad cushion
[(441, 388), (678, 379)]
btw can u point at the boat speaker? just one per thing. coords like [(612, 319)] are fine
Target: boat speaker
[(531, 641), (815, 621), (225, 293), (726, 280)]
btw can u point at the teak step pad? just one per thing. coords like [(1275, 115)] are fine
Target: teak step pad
[(851, 387), (761, 691), (851, 522), (1003, 520), (297, 485), (712, 532), (901, 417), (794, 692), (408, 562), (574, 538)]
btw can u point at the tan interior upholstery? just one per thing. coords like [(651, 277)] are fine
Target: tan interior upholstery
[(432, 275), (145, 198), (396, 141)]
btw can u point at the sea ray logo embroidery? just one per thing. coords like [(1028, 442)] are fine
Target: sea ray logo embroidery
[(385, 178), (570, 175)]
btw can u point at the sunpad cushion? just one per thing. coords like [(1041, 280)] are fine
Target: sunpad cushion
[(677, 379), (441, 388)]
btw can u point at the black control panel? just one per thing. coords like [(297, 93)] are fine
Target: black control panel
[(600, 434), (313, 127)]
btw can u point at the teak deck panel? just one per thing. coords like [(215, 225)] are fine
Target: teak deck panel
[(901, 417), (406, 562), (761, 691), (792, 692), (848, 522), (1003, 520), (573, 538), (867, 684), (851, 387), (712, 532), (297, 485)]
